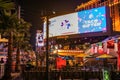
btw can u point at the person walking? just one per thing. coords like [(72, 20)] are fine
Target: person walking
[(2, 60)]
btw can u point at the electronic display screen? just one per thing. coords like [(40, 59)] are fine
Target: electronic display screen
[(87, 21), (93, 20)]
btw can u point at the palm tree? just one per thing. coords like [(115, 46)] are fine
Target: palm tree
[(5, 7), (19, 30), (6, 24), (9, 26), (6, 4), (21, 40)]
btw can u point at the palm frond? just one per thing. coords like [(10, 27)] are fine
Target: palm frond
[(6, 4)]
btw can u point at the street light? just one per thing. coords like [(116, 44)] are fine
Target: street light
[(47, 48), (47, 43)]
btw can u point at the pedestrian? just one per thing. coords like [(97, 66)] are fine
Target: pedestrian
[(2, 60)]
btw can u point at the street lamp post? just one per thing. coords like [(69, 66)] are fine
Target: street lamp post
[(47, 48), (47, 14)]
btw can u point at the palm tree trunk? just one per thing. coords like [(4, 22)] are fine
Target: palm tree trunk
[(36, 59), (8, 66), (17, 67)]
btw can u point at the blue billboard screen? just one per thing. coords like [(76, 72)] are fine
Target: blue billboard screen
[(93, 20)]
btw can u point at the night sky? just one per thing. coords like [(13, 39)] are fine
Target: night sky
[(31, 11)]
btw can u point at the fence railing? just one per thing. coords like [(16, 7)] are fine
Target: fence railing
[(40, 74), (69, 75)]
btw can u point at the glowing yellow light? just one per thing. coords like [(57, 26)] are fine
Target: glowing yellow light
[(87, 4), (69, 52), (3, 40)]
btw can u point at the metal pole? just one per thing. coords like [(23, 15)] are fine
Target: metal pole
[(47, 48), (19, 11)]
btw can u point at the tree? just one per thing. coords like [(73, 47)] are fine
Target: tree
[(21, 40), (5, 8), (12, 27), (9, 28), (6, 5), (6, 25)]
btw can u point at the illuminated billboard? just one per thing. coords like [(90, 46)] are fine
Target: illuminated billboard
[(63, 25), (39, 39), (93, 20), (87, 21)]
